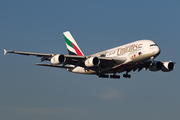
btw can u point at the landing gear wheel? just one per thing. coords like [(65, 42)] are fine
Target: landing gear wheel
[(126, 75), (103, 76), (115, 76), (129, 76)]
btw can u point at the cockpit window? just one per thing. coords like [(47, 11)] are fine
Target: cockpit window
[(153, 45)]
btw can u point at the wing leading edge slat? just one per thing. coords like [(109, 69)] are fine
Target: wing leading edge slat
[(28, 53)]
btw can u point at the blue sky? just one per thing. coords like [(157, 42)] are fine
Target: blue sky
[(31, 92)]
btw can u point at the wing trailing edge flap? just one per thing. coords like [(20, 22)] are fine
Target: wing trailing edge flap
[(57, 66)]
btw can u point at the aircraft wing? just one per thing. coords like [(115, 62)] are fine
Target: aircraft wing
[(105, 62), (140, 66), (57, 66), (27, 53), (44, 56)]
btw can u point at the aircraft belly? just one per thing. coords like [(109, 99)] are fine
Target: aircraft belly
[(121, 68), (81, 70)]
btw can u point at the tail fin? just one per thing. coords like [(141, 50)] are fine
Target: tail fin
[(71, 44)]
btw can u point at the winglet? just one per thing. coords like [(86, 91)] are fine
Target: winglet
[(5, 51)]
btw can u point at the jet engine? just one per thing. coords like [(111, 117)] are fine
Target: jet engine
[(168, 66), (156, 66), (58, 59), (92, 61)]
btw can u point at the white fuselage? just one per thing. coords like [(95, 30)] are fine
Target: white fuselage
[(134, 52)]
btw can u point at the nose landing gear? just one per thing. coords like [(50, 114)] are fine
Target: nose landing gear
[(152, 63), (127, 75)]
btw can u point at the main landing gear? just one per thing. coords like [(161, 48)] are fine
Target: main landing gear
[(114, 76), (111, 76), (103, 76), (126, 75)]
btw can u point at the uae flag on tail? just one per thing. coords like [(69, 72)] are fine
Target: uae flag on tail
[(71, 44)]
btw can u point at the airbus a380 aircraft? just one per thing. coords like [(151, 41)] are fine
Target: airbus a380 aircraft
[(133, 56)]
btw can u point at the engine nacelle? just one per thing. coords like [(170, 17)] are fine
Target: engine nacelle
[(58, 59), (92, 61), (156, 66), (168, 66)]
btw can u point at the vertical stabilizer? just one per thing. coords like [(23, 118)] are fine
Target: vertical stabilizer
[(71, 44)]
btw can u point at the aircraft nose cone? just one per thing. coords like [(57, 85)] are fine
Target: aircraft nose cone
[(158, 51)]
